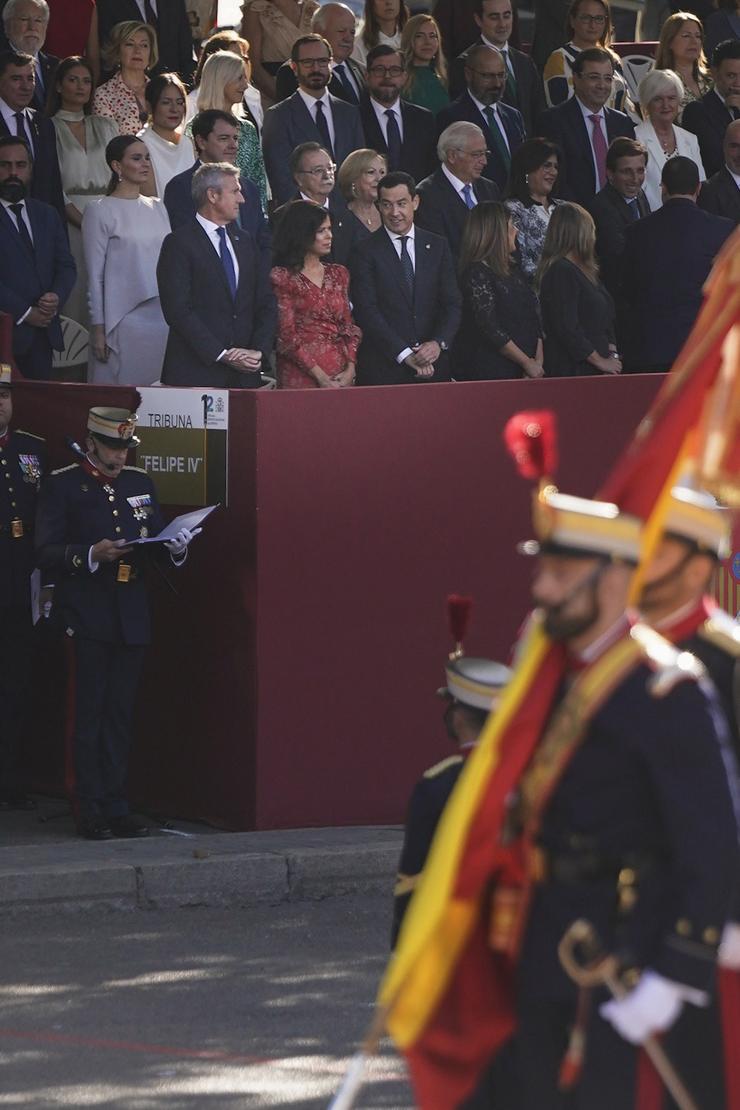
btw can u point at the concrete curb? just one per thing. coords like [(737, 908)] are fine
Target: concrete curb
[(221, 869)]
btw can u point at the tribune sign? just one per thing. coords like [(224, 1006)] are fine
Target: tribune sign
[(184, 440)]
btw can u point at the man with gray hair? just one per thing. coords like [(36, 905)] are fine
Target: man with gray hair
[(482, 104), (25, 23), (336, 22), (458, 185), (215, 291)]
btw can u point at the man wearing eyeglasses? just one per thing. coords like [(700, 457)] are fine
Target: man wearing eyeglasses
[(314, 174), (311, 114), (457, 185), (404, 133), (482, 104)]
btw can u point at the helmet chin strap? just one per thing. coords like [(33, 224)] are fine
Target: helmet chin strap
[(669, 576), (590, 580)]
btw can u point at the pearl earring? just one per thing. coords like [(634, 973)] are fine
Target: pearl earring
[(526, 179)]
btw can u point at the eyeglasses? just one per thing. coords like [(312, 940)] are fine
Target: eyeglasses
[(473, 153), (597, 19), (386, 71), (321, 171), (320, 63)]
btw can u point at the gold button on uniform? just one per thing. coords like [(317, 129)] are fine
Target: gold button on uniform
[(683, 927), (710, 935)]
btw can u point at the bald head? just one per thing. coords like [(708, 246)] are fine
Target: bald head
[(732, 147), (336, 22)]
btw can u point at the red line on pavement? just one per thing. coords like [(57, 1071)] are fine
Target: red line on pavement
[(133, 1046)]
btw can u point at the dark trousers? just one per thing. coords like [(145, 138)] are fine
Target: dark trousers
[(16, 642), (106, 681), (35, 363)]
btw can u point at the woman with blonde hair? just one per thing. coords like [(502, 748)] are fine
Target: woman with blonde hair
[(500, 334), (358, 179), (251, 101), (577, 310), (381, 25), (681, 49), (426, 68), (222, 86), (588, 24), (131, 50), (660, 96)]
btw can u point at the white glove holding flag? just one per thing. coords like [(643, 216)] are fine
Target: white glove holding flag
[(179, 545), (729, 949), (652, 1007)]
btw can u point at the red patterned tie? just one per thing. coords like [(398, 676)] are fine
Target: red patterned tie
[(599, 144)]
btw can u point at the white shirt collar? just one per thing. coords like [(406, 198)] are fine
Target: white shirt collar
[(501, 49), (482, 108), (410, 234), (455, 182), (312, 101), (7, 203), (735, 176), (7, 111), (381, 109), (312, 201), (208, 225), (587, 111)]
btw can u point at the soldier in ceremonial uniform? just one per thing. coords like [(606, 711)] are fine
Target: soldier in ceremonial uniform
[(675, 600), (471, 692), (87, 512), (623, 793), (22, 466)]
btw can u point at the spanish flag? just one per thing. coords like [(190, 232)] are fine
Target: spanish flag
[(446, 998)]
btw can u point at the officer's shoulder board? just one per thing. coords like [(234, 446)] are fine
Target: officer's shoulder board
[(722, 632), (64, 469), (137, 469), (443, 765), (31, 435), (668, 663)]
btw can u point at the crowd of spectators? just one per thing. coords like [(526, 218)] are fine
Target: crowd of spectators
[(325, 201)]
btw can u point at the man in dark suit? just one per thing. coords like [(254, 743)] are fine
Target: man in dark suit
[(25, 23), (17, 84), (169, 21), (583, 127), (215, 291), (447, 195), (404, 133), (336, 22), (708, 118), (720, 195), (523, 90), (37, 271), (404, 294), (314, 174), (216, 137), (503, 126), (667, 259), (311, 114)]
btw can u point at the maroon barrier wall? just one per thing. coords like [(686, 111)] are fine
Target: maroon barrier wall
[(292, 681)]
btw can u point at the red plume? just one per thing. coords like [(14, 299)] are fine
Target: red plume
[(458, 614), (531, 439)]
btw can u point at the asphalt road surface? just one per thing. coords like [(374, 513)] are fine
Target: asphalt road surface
[(210, 1008)]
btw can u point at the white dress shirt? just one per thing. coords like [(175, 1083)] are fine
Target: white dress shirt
[(483, 108), (586, 112), (312, 101), (411, 249), (9, 120), (381, 109), (211, 231), (458, 186)]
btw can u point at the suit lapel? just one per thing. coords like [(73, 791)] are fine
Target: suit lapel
[(388, 250), (422, 267)]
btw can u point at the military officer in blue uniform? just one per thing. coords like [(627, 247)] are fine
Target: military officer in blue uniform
[(87, 512), (471, 690), (22, 466)]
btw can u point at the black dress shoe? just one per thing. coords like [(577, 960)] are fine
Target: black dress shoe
[(127, 827), (16, 799), (95, 828)]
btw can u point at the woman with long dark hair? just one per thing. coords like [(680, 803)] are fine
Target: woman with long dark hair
[(532, 177), (381, 25), (122, 235), (500, 334), (170, 151), (317, 339)]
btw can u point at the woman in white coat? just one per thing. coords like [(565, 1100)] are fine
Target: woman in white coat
[(660, 98)]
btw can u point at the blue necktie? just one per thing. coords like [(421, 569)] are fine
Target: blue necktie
[(343, 75), (468, 197), (323, 129), (634, 208), (393, 140), (407, 265), (226, 260)]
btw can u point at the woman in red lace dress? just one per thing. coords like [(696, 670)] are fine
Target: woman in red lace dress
[(317, 340)]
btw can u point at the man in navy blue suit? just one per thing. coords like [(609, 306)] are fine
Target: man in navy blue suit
[(17, 86), (311, 114), (37, 271), (404, 293), (482, 104), (405, 134), (667, 259), (216, 138), (583, 127), (25, 23)]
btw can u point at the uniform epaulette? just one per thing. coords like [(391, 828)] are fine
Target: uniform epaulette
[(722, 631), (63, 469), (669, 664), (138, 469), (438, 768), (23, 432)]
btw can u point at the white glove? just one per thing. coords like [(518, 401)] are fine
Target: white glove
[(652, 1007), (729, 949), (181, 540)]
